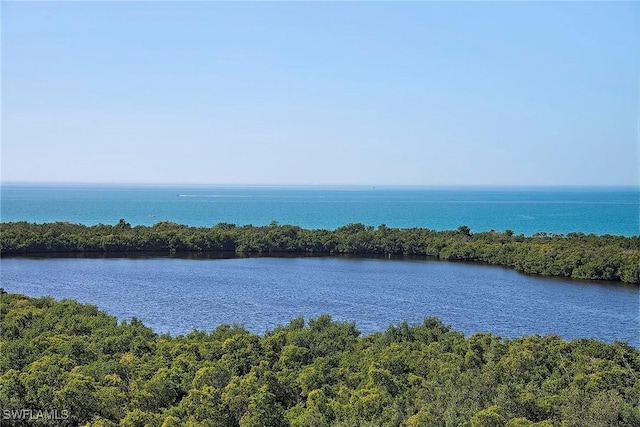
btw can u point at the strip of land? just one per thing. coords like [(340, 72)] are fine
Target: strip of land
[(575, 255)]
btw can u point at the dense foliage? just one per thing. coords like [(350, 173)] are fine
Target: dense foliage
[(575, 255), (71, 358)]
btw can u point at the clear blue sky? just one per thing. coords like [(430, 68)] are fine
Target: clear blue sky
[(415, 93)]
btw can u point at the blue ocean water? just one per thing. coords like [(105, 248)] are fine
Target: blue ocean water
[(610, 210)]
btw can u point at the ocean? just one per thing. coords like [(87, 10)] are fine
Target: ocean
[(527, 210)]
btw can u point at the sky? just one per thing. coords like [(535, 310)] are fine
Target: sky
[(321, 93)]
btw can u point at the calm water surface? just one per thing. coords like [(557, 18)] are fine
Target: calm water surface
[(177, 295), (524, 210)]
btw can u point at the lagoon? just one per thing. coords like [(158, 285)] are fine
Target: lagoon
[(176, 295)]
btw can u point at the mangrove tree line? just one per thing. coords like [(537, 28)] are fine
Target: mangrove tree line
[(575, 255), (67, 364)]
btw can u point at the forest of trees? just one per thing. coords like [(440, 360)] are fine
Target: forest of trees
[(575, 255), (71, 361)]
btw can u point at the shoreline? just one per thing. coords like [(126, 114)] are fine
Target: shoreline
[(576, 255)]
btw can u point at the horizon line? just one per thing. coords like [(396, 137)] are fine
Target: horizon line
[(307, 185)]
